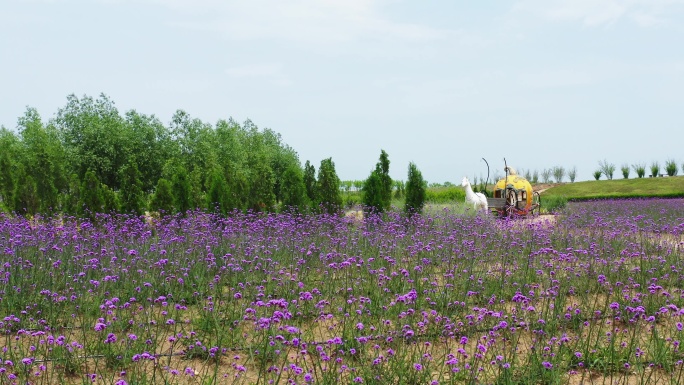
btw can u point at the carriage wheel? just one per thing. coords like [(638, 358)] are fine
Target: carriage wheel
[(511, 202)]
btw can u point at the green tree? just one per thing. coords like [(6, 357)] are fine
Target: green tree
[(149, 141), (132, 196), (93, 132), (382, 168), (218, 196), (180, 187), (162, 199), (43, 158), (9, 161), (262, 197), (415, 191), (328, 187), (310, 181), (377, 189), (26, 197), (293, 190), (92, 201), (71, 199), (373, 192), (111, 199)]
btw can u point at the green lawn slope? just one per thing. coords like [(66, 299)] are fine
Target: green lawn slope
[(661, 187)]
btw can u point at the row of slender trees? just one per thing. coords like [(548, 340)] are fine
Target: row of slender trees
[(89, 158)]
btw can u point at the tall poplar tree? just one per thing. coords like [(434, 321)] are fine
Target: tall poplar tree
[(415, 191), (329, 195)]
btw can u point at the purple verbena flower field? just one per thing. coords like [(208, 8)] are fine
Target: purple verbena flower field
[(592, 295)]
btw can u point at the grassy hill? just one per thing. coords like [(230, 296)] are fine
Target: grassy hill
[(663, 187)]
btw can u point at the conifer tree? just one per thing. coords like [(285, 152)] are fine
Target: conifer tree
[(310, 181), (382, 169), (328, 187), (377, 189), (92, 201), (180, 186), (72, 196), (415, 191), (132, 197), (218, 196), (162, 200)]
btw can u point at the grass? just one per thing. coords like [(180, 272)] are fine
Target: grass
[(669, 187)]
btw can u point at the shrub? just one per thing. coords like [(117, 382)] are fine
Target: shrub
[(162, 200), (597, 174), (640, 169), (671, 167), (608, 169), (572, 174), (655, 169), (625, 171)]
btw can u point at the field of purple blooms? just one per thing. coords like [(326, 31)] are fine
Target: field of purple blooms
[(592, 295)]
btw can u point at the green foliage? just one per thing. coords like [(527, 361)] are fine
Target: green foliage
[(92, 201), (655, 169), (328, 187), (444, 194), (293, 191), (399, 189), (132, 198), (555, 203), (310, 181), (26, 199), (382, 168), (351, 199), (180, 188), (373, 192), (671, 167), (92, 135), (625, 171), (9, 161), (377, 189), (71, 198), (597, 174), (415, 190), (162, 200), (572, 174), (261, 194), (43, 158), (640, 169), (559, 174), (607, 169), (218, 196), (111, 199)]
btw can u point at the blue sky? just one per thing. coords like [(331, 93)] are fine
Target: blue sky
[(443, 84)]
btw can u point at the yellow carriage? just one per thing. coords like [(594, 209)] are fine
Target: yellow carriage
[(513, 196)]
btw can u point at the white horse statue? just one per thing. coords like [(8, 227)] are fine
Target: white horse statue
[(479, 200)]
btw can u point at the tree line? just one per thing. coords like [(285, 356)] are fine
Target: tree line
[(90, 158)]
